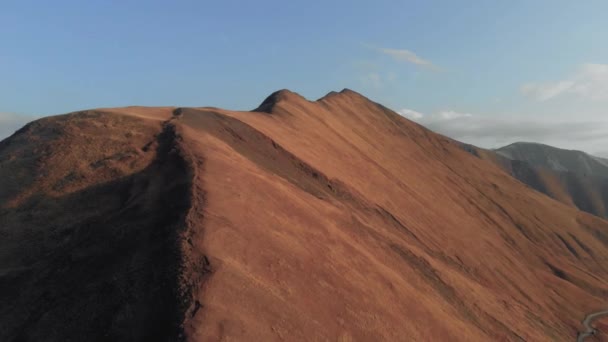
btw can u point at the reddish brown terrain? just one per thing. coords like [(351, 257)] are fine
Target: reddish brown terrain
[(332, 220), (602, 327)]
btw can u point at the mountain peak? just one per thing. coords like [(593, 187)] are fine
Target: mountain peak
[(273, 99), (280, 95), (344, 93), (526, 145), (519, 144), (347, 91)]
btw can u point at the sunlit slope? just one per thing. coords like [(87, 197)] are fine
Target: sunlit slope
[(338, 219)]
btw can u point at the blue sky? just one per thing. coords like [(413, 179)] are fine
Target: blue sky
[(475, 70)]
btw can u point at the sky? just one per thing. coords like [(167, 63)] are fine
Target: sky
[(484, 72)]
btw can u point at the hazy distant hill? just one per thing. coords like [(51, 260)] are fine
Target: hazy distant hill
[(572, 177), (556, 159)]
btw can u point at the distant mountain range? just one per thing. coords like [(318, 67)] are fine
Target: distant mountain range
[(572, 177)]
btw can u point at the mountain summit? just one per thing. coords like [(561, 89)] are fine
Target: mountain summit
[(334, 219)]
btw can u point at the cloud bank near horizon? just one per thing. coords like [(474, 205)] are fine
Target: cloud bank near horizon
[(590, 82), (491, 132)]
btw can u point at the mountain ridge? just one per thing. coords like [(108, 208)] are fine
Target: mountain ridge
[(333, 219)]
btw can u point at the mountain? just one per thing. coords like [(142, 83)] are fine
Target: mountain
[(572, 177), (334, 219), (556, 159)]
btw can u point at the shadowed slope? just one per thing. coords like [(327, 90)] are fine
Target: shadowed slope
[(91, 247)]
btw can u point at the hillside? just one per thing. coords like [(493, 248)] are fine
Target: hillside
[(572, 177), (334, 219)]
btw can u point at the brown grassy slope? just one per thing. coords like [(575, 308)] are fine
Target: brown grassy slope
[(327, 220), (340, 219), (602, 327)]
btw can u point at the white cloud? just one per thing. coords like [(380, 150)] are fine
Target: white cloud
[(407, 56), (589, 82), (546, 91), (372, 79), (410, 114), (440, 116), (450, 114), (403, 55), (490, 132), (391, 76), (592, 82), (377, 80)]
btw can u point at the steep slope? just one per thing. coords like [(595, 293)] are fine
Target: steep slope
[(328, 220), (572, 177)]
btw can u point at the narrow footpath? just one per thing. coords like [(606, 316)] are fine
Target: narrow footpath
[(589, 329)]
